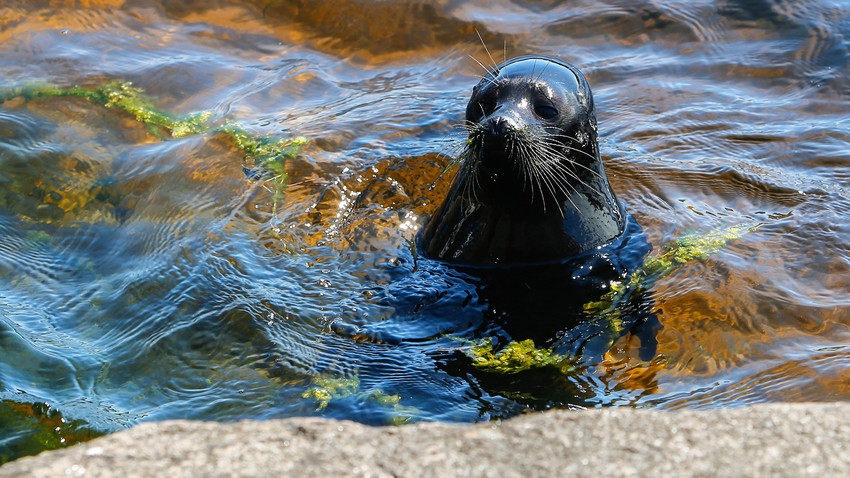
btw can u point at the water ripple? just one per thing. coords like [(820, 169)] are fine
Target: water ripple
[(144, 277)]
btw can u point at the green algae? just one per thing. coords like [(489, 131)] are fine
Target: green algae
[(122, 95), (516, 357), (324, 390), (267, 154), (693, 247)]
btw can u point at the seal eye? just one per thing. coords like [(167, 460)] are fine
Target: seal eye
[(545, 111)]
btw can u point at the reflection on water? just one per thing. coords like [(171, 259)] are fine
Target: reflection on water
[(145, 278)]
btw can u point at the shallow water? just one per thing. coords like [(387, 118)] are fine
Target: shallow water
[(148, 278)]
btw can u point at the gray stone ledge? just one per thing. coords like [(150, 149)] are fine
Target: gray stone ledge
[(791, 440)]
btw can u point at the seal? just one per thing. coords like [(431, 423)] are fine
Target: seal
[(531, 187)]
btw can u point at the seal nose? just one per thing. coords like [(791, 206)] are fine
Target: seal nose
[(498, 127), (498, 132)]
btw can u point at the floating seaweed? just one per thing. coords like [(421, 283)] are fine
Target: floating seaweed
[(516, 357), (693, 247), (264, 156)]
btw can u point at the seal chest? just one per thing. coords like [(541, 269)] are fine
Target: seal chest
[(531, 187)]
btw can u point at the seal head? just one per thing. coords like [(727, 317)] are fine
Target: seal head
[(531, 188)]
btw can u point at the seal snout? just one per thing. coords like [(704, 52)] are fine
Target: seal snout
[(497, 132), (499, 126)]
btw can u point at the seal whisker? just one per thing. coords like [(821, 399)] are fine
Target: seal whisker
[(546, 180), (467, 176), (562, 137), (560, 184), (570, 148), (561, 174), (575, 139), (578, 141), (557, 151), (553, 185), (590, 156), (529, 176), (565, 172), (537, 177), (545, 176), (495, 65), (474, 159), (455, 146), (546, 65), (489, 72), (537, 162), (554, 152), (582, 166), (552, 155), (520, 159), (469, 126)]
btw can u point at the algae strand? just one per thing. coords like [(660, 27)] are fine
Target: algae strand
[(516, 357), (266, 153)]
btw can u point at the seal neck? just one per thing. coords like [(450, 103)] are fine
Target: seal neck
[(492, 229)]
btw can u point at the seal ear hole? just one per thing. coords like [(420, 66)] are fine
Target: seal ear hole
[(545, 111)]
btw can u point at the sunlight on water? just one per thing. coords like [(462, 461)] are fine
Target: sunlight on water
[(145, 276)]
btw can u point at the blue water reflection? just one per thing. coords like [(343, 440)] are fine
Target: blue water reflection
[(147, 278)]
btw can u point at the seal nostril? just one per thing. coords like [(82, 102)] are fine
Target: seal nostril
[(501, 126), (498, 126)]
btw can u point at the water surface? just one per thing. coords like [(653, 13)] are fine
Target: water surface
[(145, 277)]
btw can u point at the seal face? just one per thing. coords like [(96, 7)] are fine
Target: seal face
[(531, 187)]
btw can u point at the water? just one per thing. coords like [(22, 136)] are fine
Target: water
[(148, 278)]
